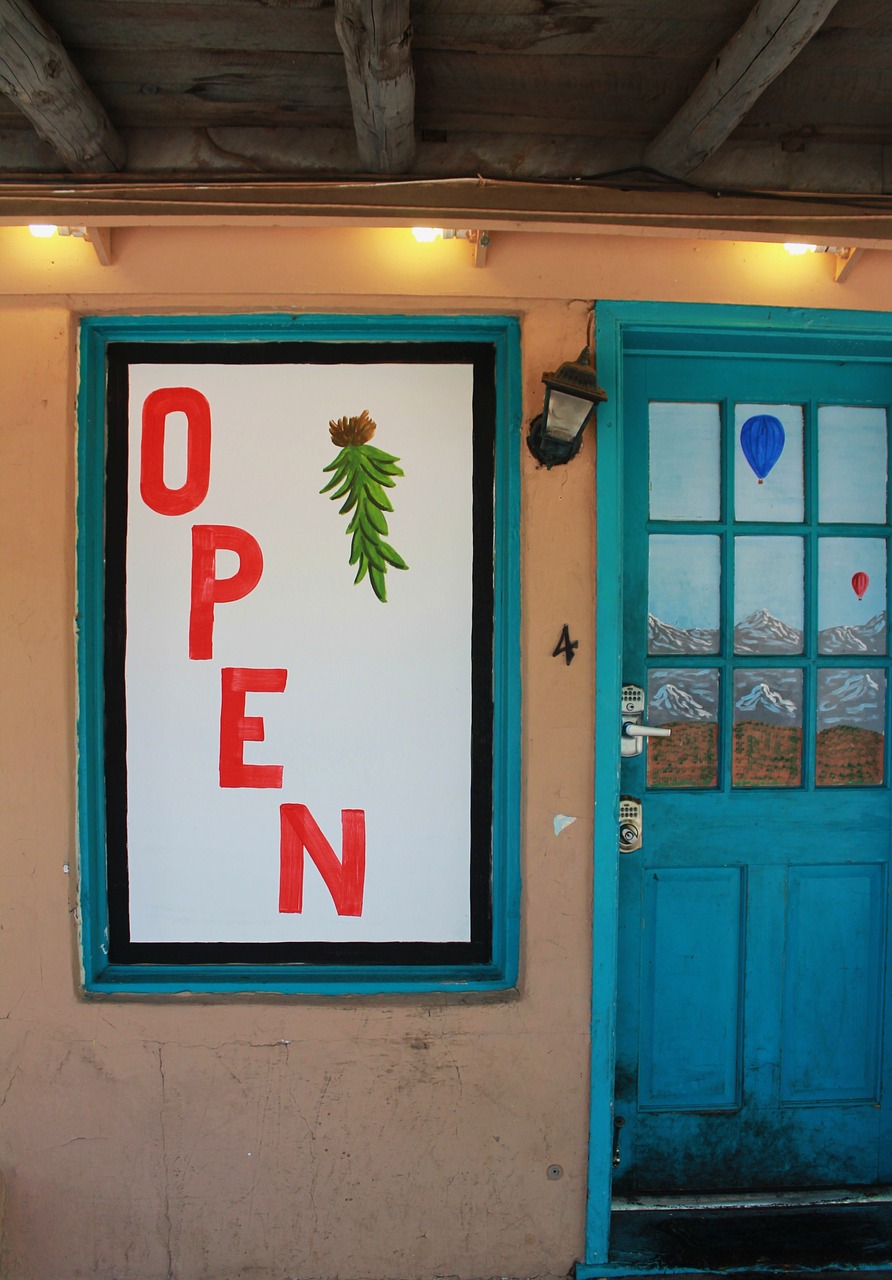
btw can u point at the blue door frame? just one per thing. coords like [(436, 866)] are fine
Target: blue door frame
[(660, 325)]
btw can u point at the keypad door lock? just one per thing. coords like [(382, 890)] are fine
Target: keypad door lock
[(634, 730), (630, 824)]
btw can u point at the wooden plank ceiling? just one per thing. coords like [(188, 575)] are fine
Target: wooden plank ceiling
[(781, 96)]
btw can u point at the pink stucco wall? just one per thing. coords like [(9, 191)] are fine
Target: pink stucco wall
[(202, 1139)]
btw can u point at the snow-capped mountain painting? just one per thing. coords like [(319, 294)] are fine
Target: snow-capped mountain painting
[(672, 703), (683, 695), (687, 698), (663, 637), (762, 632), (773, 696), (856, 698), (762, 702), (870, 637)]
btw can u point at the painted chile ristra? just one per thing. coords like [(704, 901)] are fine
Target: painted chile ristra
[(362, 473)]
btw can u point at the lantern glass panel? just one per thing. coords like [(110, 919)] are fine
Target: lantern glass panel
[(565, 415)]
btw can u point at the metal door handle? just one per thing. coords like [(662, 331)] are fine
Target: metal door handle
[(632, 730)]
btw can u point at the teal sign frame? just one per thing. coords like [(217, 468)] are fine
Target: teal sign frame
[(491, 963)]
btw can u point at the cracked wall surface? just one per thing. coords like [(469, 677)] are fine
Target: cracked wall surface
[(203, 1139)]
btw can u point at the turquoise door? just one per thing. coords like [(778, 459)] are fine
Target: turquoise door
[(752, 1006)]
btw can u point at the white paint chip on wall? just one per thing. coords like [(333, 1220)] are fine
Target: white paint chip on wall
[(562, 820)]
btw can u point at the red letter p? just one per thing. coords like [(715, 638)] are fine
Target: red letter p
[(208, 589)]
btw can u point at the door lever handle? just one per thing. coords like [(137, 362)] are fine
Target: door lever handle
[(632, 730)]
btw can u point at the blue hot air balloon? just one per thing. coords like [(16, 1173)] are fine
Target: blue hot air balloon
[(762, 441)]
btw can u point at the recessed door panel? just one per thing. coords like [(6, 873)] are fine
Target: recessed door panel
[(833, 983), (691, 997)]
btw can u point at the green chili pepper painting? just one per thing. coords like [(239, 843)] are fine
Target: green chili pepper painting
[(363, 473)]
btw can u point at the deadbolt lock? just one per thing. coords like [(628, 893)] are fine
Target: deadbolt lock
[(629, 824)]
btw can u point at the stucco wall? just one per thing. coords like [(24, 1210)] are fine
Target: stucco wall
[(297, 1137)]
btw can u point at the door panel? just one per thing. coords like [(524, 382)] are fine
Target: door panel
[(692, 970), (753, 938)]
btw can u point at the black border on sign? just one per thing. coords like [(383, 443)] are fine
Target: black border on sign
[(477, 951)]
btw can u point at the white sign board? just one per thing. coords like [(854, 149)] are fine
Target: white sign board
[(290, 652)]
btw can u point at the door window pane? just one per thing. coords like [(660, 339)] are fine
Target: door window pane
[(686, 700), (683, 594), (768, 595), (768, 462), (851, 724), (852, 448), (684, 461), (851, 595), (767, 737)]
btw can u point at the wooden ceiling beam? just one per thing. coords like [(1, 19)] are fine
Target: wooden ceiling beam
[(463, 203), (43, 82), (376, 39), (769, 40), (820, 165)]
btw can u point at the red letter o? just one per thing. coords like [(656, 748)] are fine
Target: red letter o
[(155, 493)]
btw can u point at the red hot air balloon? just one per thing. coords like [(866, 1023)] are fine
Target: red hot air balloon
[(860, 583)]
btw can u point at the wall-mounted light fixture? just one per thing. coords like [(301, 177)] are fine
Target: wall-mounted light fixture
[(478, 240), (98, 237), (844, 256), (572, 396), (43, 231)]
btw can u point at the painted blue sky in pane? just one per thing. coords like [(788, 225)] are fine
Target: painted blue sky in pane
[(684, 461), (684, 579), (769, 575), (780, 496), (851, 465), (838, 560)]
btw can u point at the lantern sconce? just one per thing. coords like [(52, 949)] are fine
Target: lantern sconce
[(572, 396)]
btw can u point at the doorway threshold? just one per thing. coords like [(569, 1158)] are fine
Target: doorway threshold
[(760, 1238), (753, 1199)]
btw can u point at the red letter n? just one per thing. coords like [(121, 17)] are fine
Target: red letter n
[(344, 879), (208, 589)]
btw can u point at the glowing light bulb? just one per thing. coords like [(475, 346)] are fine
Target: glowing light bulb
[(42, 230), (427, 235), (797, 249)]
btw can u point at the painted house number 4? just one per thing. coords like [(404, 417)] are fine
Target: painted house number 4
[(565, 645)]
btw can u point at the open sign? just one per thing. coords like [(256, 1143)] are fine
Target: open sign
[(299, 692)]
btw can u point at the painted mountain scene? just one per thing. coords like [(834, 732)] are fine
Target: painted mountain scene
[(851, 727), (663, 637), (869, 637), (766, 737), (762, 632), (766, 740), (686, 700)]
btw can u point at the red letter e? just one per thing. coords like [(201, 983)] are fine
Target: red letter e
[(236, 728)]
